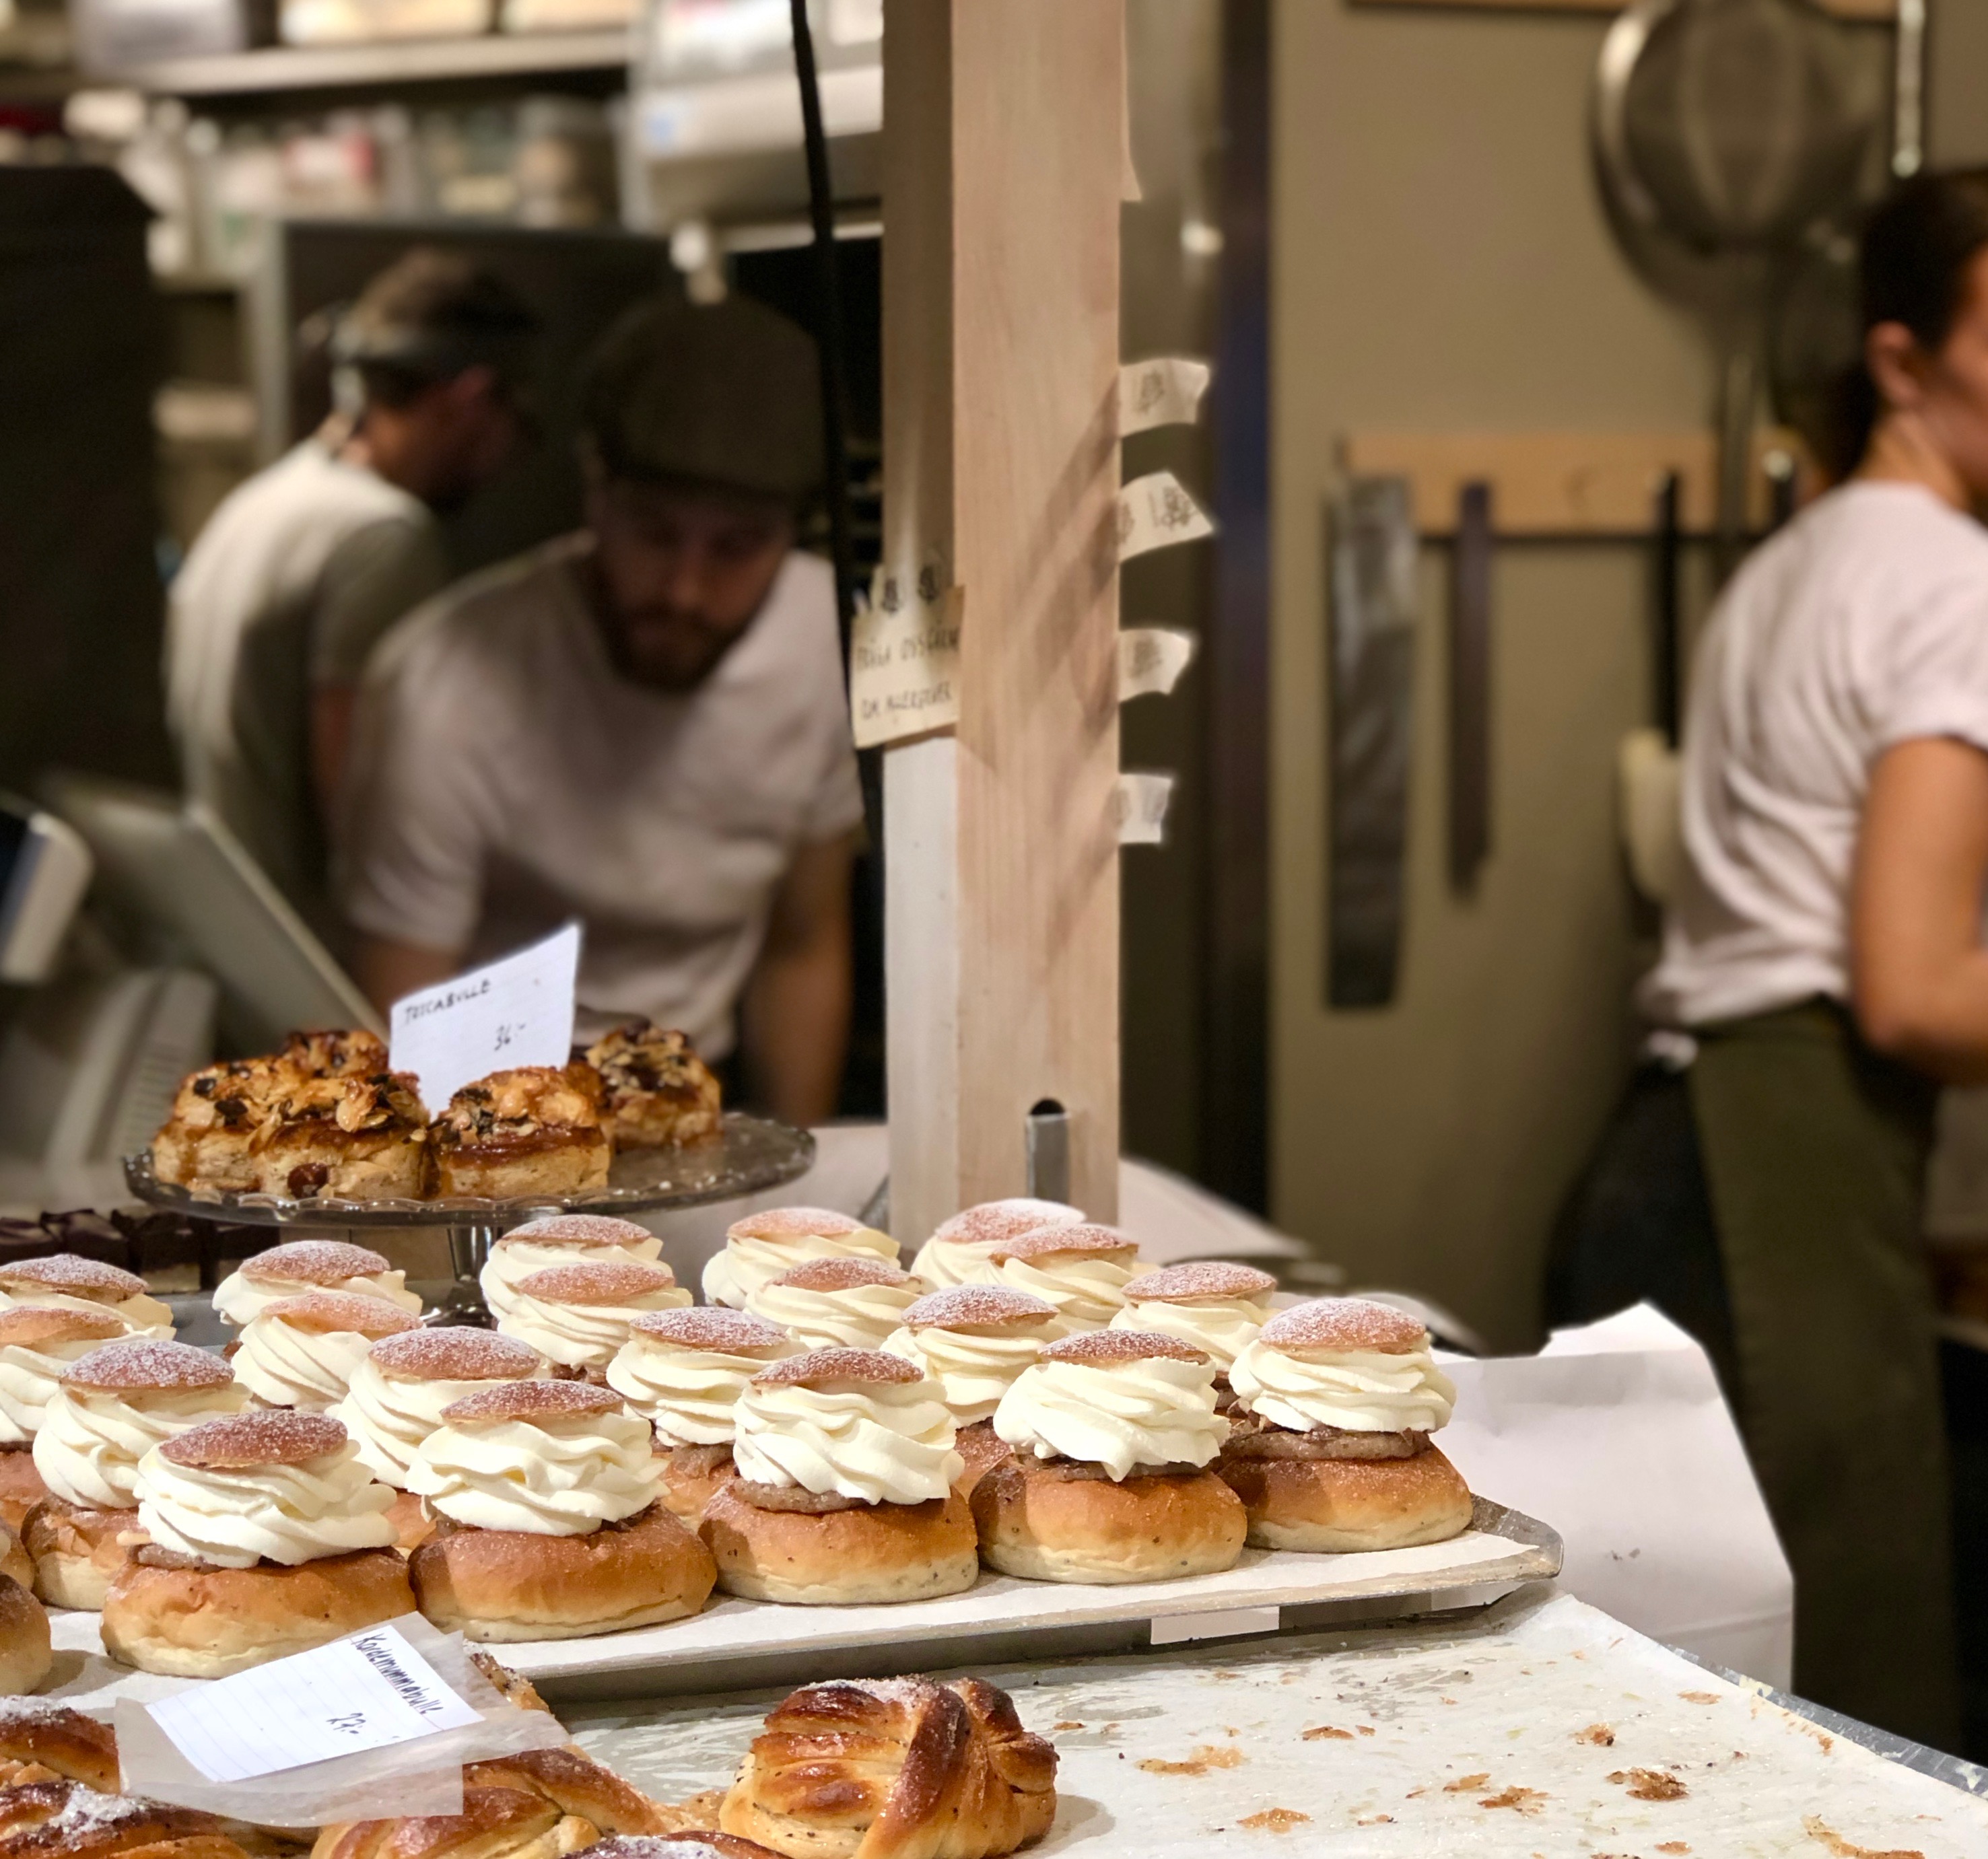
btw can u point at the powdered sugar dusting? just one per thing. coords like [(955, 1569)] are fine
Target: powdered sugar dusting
[(70, 1272), (82, 1817), (44, 1713), (821, 1365), (993, 1221), (1048, 1242), (455, 1355), (793, 1222), (596, 1281), (712, 1327), (1099, 1346), (531, 1401), (145, 1362), (318, 1262), (911, 1691), (1199, 1278), (578, 1229), (957, 1306), (267, 1436), (347, 1311), (1345, 1322), (841, 1275)]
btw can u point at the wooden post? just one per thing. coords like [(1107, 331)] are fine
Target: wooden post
[(1003, 151)]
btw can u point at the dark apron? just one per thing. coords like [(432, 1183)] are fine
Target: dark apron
[(1814, 1152)]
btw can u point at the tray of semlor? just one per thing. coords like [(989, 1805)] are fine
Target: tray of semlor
[(734, 1644), (750, 1155)]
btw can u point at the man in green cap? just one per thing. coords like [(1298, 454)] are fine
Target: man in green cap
[(642, 725)]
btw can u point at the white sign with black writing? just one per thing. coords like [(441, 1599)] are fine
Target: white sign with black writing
[(1139, 809), (516, 1012), (905, 655), (1164, 391), (1156, 510), (363, 1692), (1151, 660)]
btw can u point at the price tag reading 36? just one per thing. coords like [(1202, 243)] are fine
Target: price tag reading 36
[(516, 1012), (363, 1692)]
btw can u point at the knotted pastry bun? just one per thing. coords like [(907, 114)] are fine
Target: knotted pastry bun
[(66, 1820), (575, 1784), (494, 1823), (703, 1843), (895, 1769), (42, 1741)]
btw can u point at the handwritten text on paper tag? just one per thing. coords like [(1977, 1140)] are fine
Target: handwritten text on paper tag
[(1139, 809), (516, 1011), (1165, 391), (1151, 660), (359, 1693), (1155, 510), (904, 656)]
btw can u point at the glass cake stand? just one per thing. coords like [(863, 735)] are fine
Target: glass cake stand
[(752, 1154)]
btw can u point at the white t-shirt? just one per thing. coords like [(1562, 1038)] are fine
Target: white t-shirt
[(1861, 625), (504, 778), (291, 584)]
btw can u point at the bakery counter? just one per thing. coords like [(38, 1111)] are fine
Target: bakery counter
[(1540, 1726)]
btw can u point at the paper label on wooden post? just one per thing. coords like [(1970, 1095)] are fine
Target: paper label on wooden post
[(516, 1012), (1139, 809), (1156, 510), (904, 656), (1151, 660), (1165, 391)]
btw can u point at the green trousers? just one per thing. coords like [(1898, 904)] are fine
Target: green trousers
[(1815, 1152)]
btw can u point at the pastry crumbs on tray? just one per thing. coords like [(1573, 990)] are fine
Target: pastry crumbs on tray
[(1649, 1784), (1318, 1732), (1466, 1784), (1597, 1734), (1673, 1846), (1273, 1820), (1068, 1723), (1819, 1830), (1699, 1697), (1207, 1755), (1522, 1800)]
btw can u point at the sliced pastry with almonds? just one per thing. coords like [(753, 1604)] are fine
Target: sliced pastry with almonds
[(656, 1092), (534, 1130), (359, 1138), (208, 1140)]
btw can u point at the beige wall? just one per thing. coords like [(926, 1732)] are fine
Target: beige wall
[(1441, 261)]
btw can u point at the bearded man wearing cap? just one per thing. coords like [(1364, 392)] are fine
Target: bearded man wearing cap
[(301, 569), (642, 725)]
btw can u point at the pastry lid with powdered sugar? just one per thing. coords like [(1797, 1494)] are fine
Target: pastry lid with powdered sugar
[(144, 1364), (821, 1367), (1199, 1280), (1064, 1242), (339, 1313), (535, 1402), (1350, 1324), (577, 1231), (314, 1262), (72, 1275), (993, 1221), (712, 1327), (599, 1281), (264, 1436), (454, 1354), (978, 1307), (795, 1223)]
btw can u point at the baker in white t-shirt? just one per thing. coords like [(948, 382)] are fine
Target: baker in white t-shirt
[(642, 725), (1823, 973)]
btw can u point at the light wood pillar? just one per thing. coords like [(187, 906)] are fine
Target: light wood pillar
[(1003, 146)]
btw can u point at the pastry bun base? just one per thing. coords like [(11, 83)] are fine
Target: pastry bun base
[(1337, 1505), (412, 1524), (510, 1584), (205, 1622), (874, 1552), (25, 1654), (76, 1550), (690, 1480), (21, 1486), (1038, 1523)]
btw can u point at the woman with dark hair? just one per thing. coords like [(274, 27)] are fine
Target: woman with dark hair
[(1823, 973)]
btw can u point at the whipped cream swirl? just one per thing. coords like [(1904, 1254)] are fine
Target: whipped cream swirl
[(284, 1366), (92, 1439), (690, 1395), (1220, 1328), (582, 1335), (859, 1316), (143, 1315), (1088, 1288), (1361, 1391), (973, 1368), (28, 1378), (1154, 1411), (240, 1299), (237, 1517), (561, 1474), (520, 1258), (877, 1442), (388, 1417), (748, 1263)]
